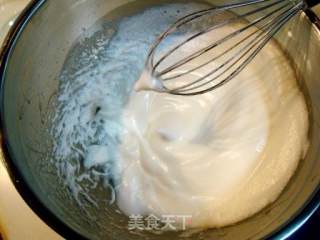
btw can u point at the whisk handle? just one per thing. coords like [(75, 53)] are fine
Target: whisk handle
[(312, 3)]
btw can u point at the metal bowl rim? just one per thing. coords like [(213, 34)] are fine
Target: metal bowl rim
[(30, 197)]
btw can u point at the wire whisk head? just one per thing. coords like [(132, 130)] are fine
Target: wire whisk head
[(208, 48)]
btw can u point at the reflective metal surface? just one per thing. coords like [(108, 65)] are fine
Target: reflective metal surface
[(14, 212)]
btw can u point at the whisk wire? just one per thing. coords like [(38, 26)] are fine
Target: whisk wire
[(201, 13), (269, 35), (231, 52), (217, 44), (210, 47), (234, 59)]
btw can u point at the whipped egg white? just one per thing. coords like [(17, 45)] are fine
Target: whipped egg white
[(219, 157)]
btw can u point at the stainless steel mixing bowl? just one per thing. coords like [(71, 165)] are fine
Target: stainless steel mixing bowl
[(31, 60)]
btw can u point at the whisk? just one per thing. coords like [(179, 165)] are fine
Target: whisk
[(251, 25)]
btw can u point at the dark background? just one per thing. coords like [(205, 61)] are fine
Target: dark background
[(310, 231)]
